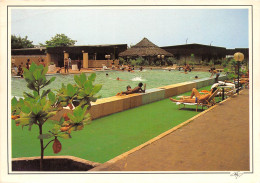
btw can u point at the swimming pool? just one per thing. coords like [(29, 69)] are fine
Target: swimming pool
[(111, 86)]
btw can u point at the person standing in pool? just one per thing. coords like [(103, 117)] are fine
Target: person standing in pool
[(79, 64), (214, 71), (42, 63), (20, 71), (28, 64), (66, 65)]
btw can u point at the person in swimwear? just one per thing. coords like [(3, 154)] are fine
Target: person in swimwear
[(198, 97), (137, 89)]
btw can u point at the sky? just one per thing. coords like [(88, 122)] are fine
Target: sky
[(116, 25)]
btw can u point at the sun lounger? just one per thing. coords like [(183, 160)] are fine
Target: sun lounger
[(209, 102)]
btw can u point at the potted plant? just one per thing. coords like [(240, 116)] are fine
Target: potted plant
[(52, 67)]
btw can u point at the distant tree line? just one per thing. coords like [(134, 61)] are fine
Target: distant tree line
[(17, 42), (59, 40)]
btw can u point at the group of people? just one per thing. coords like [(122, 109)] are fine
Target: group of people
[(18, 71), (186, 68), (196, 97), (68, 64)]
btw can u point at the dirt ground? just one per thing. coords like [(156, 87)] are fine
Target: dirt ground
[(216, 141)]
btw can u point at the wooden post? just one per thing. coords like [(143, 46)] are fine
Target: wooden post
[(66, 55), (48, 59), (85, 60)]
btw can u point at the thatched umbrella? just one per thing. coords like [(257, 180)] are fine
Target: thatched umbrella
[(145, 48)]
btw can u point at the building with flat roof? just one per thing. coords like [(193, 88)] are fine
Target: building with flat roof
[(89, 55), (196, 52)]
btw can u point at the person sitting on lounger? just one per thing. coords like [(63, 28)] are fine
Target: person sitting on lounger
[(198, 97), (137, 89)]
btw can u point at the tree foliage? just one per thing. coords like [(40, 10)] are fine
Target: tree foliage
[(18, 42), (38, 107), (60, 40)]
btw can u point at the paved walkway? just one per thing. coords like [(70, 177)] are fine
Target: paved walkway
[(216, 141)]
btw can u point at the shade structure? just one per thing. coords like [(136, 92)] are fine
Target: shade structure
[(145, 48)]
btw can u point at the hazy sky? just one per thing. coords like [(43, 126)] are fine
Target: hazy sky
[(164, 27)]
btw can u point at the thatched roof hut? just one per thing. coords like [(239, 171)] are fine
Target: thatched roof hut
[(145, 48)]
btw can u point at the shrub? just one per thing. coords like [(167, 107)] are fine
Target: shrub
[(225, 63), (121, 61), (171, 61), (211, 63), (37, 107)]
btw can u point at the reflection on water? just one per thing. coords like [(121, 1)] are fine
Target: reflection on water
[(111, 86), (137, 79)]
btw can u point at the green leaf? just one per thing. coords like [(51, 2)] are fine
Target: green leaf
[(14, 101), (28, 95), (51, 97), (25, 109), (93, 99), (71, 90), (77, 80), (64, 135), (88, 87), (96, 89), (32, 67), (28, 75), (23, 121), (24, 115), (82, 78), (31, 86), (77, 111), (92, 77), (72, 117), (45, 136), (56, 128), (36, 109), (37, 74), (49, 81), (61, 121), (45, 70), (50, 114), (35, 94), (45, 93), (52, 79)]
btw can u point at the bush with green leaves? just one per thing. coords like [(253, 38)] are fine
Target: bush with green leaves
[(157, 62), (121, 61), (38, 107), (225, 63), (171, 61), (211, 63), (84, 91), (133, 62)]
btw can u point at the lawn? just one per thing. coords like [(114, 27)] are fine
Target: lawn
[(107, 137)]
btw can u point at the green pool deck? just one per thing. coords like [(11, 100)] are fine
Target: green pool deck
[(107, 137)]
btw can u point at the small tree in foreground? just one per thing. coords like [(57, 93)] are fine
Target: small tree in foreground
[(38, 107)]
